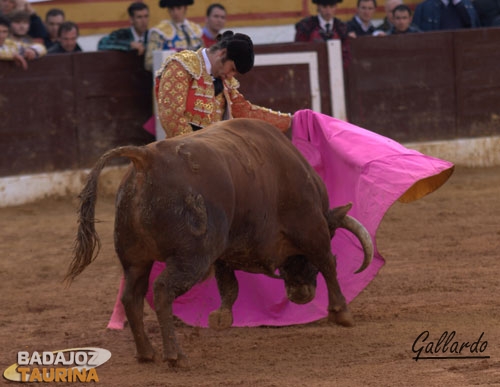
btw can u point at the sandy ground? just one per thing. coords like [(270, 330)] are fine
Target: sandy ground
[(441, 275)]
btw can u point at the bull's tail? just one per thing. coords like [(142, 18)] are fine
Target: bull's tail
[(87, 243)]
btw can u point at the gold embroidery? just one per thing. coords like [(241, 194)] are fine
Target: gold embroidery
[(189, 60), (165, 29), (199, 105)]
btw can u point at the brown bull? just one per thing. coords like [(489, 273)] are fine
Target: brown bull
[(234, 196)]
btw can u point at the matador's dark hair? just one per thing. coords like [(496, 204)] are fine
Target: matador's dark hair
[(239, 49)]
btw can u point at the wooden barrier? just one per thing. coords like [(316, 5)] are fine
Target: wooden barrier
[(428, 86), (66, 110)]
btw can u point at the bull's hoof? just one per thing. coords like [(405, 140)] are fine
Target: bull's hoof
[(220, 319), (149, 357), (181, 361), (343, 317)]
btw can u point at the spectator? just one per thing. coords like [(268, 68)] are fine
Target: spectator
[(361, 23), (488, 12), (19, 26), (215, 21), (401, 16), (67, 36), (53, 20), (134, 37), (37, 29), (7, 6), (17, 51), (434, 15), (324, 26), (178, 33), (387, 24)]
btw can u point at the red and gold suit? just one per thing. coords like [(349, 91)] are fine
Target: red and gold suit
[(186, 97)]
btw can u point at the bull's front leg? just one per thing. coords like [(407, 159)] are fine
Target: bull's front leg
[(227, 284), (337, 306)]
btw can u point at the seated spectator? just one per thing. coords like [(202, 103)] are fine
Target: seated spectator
[(66, 39), (176, 33), (387, 24), (215, 21), (17, 51), (361, 23), (53, 20), (402, 21), (324, 26), (488, 12), (134, 37), (434, 15)]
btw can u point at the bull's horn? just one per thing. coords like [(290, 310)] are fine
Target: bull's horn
[(351, 224)]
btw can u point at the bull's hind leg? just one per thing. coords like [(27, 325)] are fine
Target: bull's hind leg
[(227, 284), (136, 286), (337, 306), (180, 275)]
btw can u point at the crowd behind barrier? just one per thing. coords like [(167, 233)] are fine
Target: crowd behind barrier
[(425, 87)]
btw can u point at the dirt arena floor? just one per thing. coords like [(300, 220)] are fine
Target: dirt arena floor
[(442, 274)]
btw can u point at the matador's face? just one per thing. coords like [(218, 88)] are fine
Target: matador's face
[(222, 67)]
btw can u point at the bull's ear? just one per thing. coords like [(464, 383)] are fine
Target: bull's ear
[(341, 211), (336, 217)]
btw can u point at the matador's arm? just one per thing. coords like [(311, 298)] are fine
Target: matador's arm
[(171, 96), (241, 108)]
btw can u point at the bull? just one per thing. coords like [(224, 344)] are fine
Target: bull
[(235, 196)]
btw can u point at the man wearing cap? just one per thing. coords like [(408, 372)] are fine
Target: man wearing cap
[(324, 26), (195, 89), (178, 33)]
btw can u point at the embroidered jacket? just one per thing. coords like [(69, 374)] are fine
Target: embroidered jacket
[(169, 36), (185, 96)]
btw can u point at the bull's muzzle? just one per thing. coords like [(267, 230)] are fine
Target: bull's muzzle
[(301, 294)]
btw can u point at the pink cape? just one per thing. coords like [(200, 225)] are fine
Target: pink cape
[(357, 166)]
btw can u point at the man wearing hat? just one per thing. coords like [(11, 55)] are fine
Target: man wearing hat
[(195, 89), (178, 33), (324, 26)]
